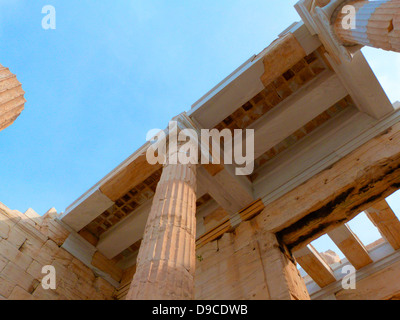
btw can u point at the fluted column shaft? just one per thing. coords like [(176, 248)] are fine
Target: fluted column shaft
[(377, 25), (167, 257)]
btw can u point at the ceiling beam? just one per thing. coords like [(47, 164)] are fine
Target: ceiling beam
[(232, 192), (86, 209), (125, 233), (245, 82), (296, 111), (353, 249), (128, 177), (282, 56), (320, 149), (383, 217), (114, 185), (363, 86), (226, 189), (315, 266), (310, 155)]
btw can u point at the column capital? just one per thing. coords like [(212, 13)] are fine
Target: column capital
[(345, 26), (372, 23), (168, 142), (192, 131), (318, 16), (185, 122)]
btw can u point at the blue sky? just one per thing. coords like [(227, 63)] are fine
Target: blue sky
[(111, 71)]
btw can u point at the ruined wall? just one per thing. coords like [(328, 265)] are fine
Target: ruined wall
[(231, 268), (246, 264), (27, 243)]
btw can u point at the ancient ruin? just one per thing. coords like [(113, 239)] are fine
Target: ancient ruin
[(327, 148)]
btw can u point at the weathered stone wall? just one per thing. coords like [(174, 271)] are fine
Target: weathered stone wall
[(231, 268), (27, 243), (240, 265), (247, 264)]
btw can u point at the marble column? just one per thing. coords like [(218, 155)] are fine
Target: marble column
[(167, 257), (377, 24)]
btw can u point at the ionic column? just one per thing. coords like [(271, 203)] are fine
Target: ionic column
[(167, 258), (377, 25)]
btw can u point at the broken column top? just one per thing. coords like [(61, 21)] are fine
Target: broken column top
[(12, 99)]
